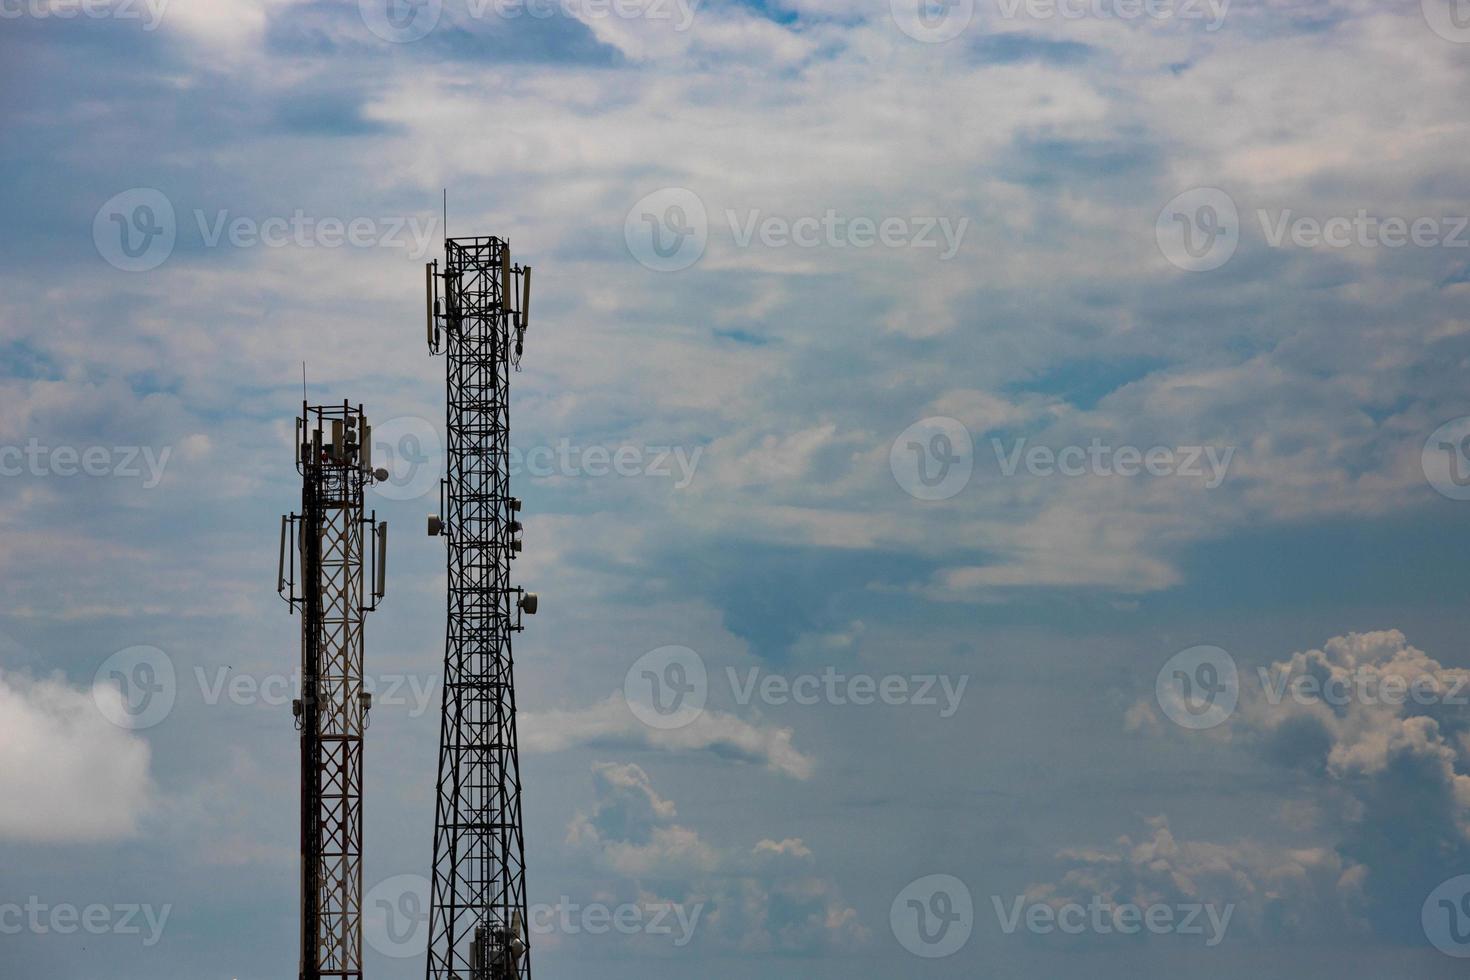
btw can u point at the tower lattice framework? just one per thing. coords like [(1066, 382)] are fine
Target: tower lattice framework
[(478, 894), (321, 572)]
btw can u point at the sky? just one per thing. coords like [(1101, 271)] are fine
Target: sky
[(995, 476)]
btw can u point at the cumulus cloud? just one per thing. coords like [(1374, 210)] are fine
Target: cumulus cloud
[(1270, 892), (611, 724), (1375, 729), (768, 898), (70, 775)]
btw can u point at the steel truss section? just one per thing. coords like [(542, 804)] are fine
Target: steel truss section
[(321, 572), (478, 898)]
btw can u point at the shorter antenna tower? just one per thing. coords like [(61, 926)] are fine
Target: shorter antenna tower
[(332, 566)]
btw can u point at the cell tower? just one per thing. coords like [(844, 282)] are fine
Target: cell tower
[(320, 570), (478, 900)]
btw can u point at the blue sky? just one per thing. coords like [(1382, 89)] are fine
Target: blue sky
[(1102, 231)]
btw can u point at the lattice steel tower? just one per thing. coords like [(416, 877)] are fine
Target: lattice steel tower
[(320, 570), (478, 899)]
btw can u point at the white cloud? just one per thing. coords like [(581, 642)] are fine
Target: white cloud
[(1272, 892), (769, 898), (1395, 767), (69, 774), (610, 723)]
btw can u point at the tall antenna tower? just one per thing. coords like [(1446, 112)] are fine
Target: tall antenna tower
[(320, 571), (478, 900)]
